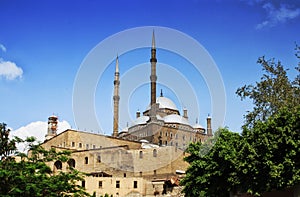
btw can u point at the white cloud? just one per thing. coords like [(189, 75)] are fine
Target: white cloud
[(37, 129), (279, 14), (9, 70), (2, 47)]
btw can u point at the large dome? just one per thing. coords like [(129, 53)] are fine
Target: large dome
[(141, 120), (174, 118), (165, 103)]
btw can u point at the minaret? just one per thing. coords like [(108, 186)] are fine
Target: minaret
[(52, 127), (153, 76), (116, 99)]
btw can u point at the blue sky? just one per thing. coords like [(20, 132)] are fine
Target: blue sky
[(43, 43)]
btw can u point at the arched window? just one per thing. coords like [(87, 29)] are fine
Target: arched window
[(99, 159), (141, 154), (58, 165), (154, 153), (86, 160), (71, 163)]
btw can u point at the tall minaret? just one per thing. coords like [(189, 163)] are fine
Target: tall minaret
[(153, 76), (116, 99)]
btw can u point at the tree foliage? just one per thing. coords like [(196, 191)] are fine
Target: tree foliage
[(274, 91), (266, 155), (30, 175)]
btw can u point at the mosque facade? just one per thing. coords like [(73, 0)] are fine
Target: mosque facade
[(144, 159)]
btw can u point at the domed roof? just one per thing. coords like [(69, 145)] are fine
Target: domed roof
[(198, 126), (164, 102), (141, 120), (174, 118)]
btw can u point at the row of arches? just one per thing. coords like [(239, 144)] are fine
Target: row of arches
[(58, 164)]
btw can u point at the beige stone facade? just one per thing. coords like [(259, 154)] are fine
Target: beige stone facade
[(117, 166)]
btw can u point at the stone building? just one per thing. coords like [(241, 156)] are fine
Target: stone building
[(145, 159)]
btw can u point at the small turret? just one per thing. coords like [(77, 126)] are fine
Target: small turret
[(209, 129), (185, 113), (138, 114), (52, 127)]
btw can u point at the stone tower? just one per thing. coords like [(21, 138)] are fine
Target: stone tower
[(52, 127), (116, 99), (209, 129)]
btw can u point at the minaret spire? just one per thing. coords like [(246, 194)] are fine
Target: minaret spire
[(116, 99), (153, 76), (153, 40)]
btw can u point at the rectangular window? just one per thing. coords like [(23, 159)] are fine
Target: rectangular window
[(87, 146), (100, 184), (117, 184), (80, 145), (83, 183), (73, 144), (154, 172), (135, 184), (94, 146)]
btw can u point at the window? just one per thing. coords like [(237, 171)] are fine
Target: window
[(94, 146), (58, 165), (83, 183), (99, 159), (166, 143), (73, 144), (64, 144), (100, 184), (124, 174), (80, 145), (141, 154), (87, 146), (176, 135), (86, 160), (171, 134), (154, 172), (166, 133), (141, 173), (117, 184), (154, 153), (135, 184), (71, 163)]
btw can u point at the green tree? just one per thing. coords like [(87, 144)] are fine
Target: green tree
[(275, 145), (31, 176), (213, 173), (266, 156), (273, 92)]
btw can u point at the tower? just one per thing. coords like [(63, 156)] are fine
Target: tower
[(52, 127), (153, 76), (116, 99), (209, 129)]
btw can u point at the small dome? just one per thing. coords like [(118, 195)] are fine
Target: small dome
[(125, 129), (141, 120), (174, 118), (165, 103), (198, 126)]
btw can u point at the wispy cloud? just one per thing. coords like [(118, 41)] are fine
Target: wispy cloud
[(9, 70), (2, 47), (276, 15)]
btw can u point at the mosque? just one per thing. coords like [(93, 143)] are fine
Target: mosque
[(145, 159)]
